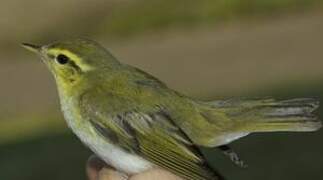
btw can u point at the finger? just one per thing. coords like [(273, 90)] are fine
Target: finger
[(155, 174), (110, 174), (93, 167)]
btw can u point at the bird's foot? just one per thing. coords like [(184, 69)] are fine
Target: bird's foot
[(228, 151)]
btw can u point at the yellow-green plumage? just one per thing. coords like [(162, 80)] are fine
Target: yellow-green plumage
[(116, 108)]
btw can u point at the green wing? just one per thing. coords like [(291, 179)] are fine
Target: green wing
[(153, 136)]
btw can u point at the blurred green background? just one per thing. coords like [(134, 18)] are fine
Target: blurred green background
[(211, 49)]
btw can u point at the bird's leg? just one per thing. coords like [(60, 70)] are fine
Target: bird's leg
[(228, 151)]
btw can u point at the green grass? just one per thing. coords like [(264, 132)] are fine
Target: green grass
[(148, 15), (22, 128)]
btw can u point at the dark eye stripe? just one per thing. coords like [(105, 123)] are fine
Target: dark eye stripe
[(72, 63), (51, 56)]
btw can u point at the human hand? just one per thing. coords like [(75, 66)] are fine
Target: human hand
[(98, 170)]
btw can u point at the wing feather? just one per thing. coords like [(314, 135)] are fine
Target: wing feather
[(153, 136)]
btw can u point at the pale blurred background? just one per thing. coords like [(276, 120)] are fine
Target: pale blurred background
[(210, 49)]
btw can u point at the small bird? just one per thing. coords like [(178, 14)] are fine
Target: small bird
[(134, 122)]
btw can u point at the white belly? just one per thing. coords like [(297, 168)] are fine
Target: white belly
[(113, 155), (110, 153)]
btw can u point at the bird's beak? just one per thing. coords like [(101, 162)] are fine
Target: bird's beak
[(31, 47)]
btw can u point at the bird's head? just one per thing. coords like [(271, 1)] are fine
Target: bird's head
[(72, 60)]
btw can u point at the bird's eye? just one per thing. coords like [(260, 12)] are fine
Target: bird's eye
[(62, 59)]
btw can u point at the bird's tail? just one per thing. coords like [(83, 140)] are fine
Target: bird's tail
[(268, 115)]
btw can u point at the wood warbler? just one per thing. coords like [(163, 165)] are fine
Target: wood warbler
[(134, 122)]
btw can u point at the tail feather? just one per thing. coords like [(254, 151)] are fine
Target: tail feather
[(266, 115), (294, 107)]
